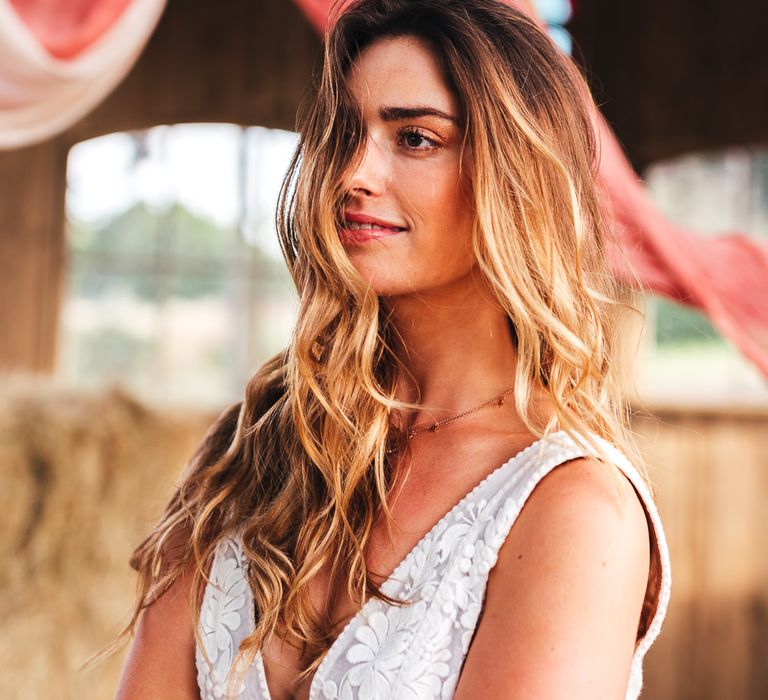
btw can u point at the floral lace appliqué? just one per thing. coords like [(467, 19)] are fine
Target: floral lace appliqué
[(220, 617), (413, 651)]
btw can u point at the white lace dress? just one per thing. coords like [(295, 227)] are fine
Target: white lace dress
[(416, 650)]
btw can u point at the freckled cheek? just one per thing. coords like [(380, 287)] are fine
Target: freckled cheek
[(436, 204)]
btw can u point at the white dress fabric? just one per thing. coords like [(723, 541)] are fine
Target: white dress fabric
[(417, 650)]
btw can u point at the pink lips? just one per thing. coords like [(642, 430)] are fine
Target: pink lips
[(350, 236)]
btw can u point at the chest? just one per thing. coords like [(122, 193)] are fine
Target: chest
[(281, 657), (422, 501)]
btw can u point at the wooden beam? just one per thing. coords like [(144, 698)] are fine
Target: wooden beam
[(32, 183)]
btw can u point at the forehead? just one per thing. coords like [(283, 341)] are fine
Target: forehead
[(399, 71)]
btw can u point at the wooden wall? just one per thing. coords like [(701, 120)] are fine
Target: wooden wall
[(676, 77), (710, 470), (32, 189)]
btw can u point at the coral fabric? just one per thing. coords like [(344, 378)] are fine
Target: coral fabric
[(42, 94), (67, 27), (726, 276)]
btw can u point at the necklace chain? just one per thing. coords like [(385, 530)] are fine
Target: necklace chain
[(434, 426)]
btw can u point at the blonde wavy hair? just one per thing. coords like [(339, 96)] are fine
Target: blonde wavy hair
[(299, 470)]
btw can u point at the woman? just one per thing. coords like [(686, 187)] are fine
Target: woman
[(360, 514)]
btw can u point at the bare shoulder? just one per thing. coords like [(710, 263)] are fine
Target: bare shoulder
[(563, 602), (161, 660)]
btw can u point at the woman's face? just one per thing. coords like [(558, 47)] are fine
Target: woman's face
[(408, 179)]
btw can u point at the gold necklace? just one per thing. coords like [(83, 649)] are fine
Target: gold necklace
[(436, 425)]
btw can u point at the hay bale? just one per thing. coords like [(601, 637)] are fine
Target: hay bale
[(84, 475)]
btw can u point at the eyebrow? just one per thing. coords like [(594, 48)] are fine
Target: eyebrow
[(392, 114)]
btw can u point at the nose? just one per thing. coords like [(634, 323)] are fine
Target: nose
[(371, 175)]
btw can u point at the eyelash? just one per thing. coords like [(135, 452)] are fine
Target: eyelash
[(408, 130)]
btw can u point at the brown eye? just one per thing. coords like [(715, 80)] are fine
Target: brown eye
[(413, 140)]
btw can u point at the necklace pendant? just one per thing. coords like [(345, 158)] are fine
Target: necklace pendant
[(501, 400), (433, 428)]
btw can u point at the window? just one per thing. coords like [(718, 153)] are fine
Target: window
[(685, 360), (177, 288), (176, 285)]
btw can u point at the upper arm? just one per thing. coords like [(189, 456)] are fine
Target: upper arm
[(161, 661), (564, 600)]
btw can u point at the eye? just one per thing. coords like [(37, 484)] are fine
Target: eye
[(412, 137)]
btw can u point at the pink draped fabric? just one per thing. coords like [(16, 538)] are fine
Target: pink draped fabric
[(67, 27), (61, 58), (726, 277)]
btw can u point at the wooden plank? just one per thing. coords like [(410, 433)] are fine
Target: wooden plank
[(32, 182), (711, 477)]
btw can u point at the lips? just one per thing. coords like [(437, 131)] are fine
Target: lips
[(362, 227)]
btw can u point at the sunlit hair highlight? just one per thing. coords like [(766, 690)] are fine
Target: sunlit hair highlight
[(298, 470)]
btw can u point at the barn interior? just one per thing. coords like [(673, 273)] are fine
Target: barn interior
[(95, 429)]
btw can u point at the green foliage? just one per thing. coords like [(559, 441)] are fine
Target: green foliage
[(154, 254), (145, 232), (678, 324)]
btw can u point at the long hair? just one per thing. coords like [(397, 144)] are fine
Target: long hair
[(299, 468)]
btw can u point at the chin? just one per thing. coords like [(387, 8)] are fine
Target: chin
[(389, 277), (387, 286), (384, 285)]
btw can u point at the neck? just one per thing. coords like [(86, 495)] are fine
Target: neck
[(456, 346)]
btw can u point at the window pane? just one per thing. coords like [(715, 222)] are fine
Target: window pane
[(177, 287), (687, 360)]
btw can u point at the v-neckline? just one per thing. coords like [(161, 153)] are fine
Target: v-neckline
[(332, 651)]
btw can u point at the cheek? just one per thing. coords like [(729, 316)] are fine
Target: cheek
[(434, 198), (450, 222)]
